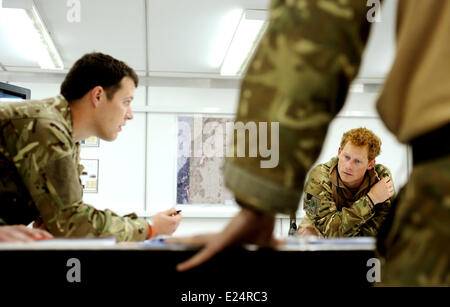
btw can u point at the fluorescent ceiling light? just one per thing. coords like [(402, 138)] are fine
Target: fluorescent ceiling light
[(24, 23), (228, 25), (245, 40)]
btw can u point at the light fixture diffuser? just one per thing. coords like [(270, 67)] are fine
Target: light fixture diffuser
[(245, 40), (23, 20)]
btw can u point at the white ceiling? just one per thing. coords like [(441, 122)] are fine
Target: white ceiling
[(182, 38)]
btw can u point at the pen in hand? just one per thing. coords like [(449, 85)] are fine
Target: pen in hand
[(178, 211)]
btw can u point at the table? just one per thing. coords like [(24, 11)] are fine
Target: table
[(239, 273)]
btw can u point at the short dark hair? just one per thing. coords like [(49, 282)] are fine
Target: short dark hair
[(95, 69)]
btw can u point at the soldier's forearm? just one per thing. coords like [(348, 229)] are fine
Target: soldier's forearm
[(82, 220), (346, 222)]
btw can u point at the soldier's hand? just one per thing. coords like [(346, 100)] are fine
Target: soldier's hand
[(21, 233), (246, 227), (382, 190), (307, 231), (166, 222), (39, 224)]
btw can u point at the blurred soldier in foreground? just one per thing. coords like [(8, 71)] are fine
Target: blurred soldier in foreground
[(299, 77), (40, 154), (350, 195)]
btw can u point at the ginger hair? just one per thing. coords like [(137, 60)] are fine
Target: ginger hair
[(362, 137)]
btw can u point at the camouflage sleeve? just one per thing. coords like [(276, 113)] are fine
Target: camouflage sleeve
[(381, 210), (321, 209), (298, 78), (46, 164)]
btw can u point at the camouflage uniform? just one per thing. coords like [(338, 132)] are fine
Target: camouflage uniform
[(40, 174), (416, 243), (336, 211), (299, 77)]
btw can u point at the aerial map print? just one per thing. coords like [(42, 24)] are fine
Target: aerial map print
[(201, 148)]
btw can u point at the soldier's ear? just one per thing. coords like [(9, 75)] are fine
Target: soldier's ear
[(96, 95), (371, 164), (339, 151)]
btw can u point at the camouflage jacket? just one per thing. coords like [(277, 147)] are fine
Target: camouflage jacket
[(40, 174), (335, 211)]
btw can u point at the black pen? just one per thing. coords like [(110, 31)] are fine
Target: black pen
[(178, 211)]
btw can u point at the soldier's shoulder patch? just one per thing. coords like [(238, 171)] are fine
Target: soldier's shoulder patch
[(312, 204)]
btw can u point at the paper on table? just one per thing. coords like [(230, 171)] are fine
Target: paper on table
[(316, 243), (338, 241), (159, 243), (78, 241), (61, 243)]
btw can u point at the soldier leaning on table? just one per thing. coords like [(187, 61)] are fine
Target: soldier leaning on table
[(40, 154)]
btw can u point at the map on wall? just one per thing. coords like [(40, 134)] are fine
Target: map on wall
[(200, 158)]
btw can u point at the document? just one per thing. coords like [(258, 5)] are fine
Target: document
[(62, 243), (313, 243)]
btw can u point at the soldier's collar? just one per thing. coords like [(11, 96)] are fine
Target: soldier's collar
[(333, 164), (370, 177), (66, 113)]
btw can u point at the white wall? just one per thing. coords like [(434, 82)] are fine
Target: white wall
[(137, 172)]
